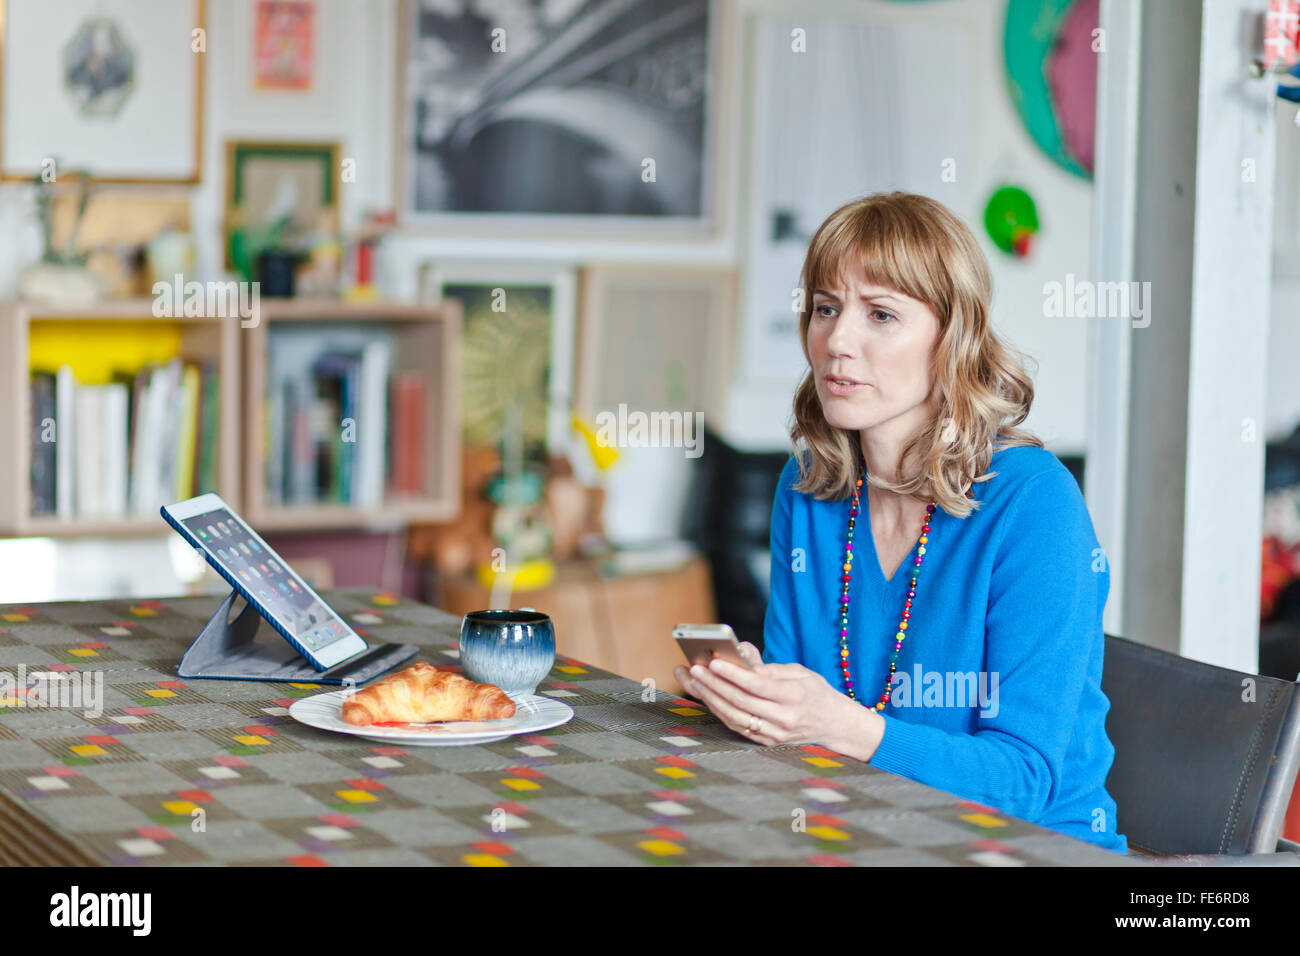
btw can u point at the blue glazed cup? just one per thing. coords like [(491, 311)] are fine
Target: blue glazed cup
[(512, 649)]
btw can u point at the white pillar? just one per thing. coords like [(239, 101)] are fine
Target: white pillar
[(1176, 434)]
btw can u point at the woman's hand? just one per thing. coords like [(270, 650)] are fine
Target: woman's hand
[(780, 704)]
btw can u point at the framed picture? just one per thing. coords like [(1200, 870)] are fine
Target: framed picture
[(83, 83), (516, 348), (656, 339), (596, 121), (282, 43), (265, 181)]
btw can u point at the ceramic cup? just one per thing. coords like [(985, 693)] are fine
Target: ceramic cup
[(512, 649)]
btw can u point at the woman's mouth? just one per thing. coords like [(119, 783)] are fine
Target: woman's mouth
[(842, 386)]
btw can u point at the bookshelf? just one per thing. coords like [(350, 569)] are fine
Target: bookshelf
[(426, 340), (193, 339)]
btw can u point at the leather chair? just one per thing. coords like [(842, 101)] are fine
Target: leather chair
[(1205, 758)]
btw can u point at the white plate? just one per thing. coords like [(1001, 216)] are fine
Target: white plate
[(532, 713)]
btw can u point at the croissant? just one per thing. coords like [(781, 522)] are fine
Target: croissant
[(421, 694)]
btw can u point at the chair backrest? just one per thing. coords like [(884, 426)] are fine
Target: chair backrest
[(1205, 757)]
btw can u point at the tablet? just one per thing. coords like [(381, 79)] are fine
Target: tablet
[(264, 580)]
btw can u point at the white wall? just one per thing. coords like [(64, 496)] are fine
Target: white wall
[(1001, 152)]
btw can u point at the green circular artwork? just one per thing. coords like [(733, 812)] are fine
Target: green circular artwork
[(1011, 220)]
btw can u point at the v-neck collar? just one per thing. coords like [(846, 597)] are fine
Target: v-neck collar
[(911, 554), (878, 569)]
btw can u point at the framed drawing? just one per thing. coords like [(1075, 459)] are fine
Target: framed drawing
[(656, 339), (269, 181), (592, 122), (282, 44), (516, 348), (84, 82)]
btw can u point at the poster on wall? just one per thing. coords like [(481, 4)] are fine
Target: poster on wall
[(106, 71), (517, 343), (598, 113), (282, 44)]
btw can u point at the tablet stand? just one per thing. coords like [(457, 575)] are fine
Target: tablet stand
[(226, 649)]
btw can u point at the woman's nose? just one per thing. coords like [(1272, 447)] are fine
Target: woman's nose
[(840, 339)]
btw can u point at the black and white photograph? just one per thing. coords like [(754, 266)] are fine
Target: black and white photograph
[(597, 109)]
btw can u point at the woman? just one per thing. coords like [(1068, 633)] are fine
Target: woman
[(956, 637)]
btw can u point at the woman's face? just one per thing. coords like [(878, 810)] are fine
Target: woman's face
[(879, 339)]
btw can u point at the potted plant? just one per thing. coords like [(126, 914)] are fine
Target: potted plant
[(62, 276)]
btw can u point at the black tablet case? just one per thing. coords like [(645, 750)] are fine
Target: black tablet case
[(227, 649)]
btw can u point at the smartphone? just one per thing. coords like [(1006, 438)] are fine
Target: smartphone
[(703, 642), (265, 580)]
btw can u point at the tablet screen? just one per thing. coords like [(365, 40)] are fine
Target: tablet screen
[(284, 595)]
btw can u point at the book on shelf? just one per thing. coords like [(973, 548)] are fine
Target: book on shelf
[(372, 423), (206, 447), (341, 426), (187, 440), (43, 445), (112, 401), (86, 414), (337, 376), (65, 395), (406, 433), (127, 446)]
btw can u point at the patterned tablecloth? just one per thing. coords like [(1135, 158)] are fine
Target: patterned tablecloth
[(216, 772)]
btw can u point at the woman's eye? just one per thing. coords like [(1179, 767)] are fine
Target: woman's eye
[(880, 316)]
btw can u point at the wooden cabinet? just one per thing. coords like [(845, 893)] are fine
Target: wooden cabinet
[(621, 624)]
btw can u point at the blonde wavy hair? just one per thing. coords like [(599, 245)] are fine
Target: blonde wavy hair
[(917, 246)]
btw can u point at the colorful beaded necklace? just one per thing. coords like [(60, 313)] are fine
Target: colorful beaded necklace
[(844, 599)]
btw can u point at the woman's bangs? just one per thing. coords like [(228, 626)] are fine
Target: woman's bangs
[(881, 254)]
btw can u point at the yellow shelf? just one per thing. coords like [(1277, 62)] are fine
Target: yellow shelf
[(96, 348)]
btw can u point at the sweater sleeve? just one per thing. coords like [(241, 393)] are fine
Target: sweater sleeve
[(1045, 601), (779, 644)]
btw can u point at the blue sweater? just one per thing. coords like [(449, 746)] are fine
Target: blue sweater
[(1001, 701)]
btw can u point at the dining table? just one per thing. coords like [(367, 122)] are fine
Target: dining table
[(163, 771)]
